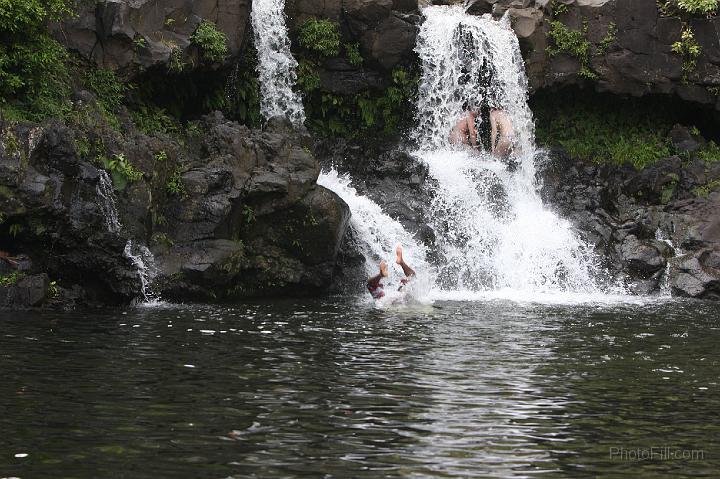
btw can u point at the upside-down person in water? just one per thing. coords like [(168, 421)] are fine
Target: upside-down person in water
[(375, 285)]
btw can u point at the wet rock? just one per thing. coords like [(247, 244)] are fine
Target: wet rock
[(30, 291), (643, 259), (697, 275), (253, 221), (133, 36)]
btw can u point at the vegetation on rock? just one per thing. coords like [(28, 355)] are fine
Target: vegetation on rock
[(321, 37), (34, 75), (211, 41), (573, 43), (698, 6)]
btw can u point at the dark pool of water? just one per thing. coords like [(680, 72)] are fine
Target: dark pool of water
[(339, 389)]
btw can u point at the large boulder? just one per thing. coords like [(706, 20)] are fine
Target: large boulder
[(55, 208), (697, 275), (253, 221)]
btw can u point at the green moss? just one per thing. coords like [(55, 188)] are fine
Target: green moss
[(321, 37), (211, 41)]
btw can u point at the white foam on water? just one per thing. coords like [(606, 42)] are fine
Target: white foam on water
[(276, 64)]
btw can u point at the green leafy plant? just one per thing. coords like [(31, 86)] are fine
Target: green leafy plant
[(161, 156), (34, 76), (308, 78), (121, 170), (608, 39), (574, 43), (175, 185), (176, 61), (152, 120), (321, 37), (109, 90), (211, 41), (689, 49), (604, 132), (54, 289), (11, 279), (710, 153), (558, 8), (15, 229), (248, 214), (352, 53), (705, 7), (243, 90)]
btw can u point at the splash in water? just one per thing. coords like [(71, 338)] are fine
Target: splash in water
[(276, 65), (380, 234)]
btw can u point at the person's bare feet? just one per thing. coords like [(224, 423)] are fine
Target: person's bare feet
[(399, 253), (383, 269)]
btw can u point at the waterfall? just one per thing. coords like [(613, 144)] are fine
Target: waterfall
[(144, 261), (380, 234), (490, 222), (108, 206), (276, 65)]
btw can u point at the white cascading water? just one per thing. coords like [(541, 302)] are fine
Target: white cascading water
[(276, 64), (144, 261), (380, 234), (108, 206), (490, 223)]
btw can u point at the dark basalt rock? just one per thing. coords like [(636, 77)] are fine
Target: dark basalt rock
[(622, 211), (253, 222), (697, 275)]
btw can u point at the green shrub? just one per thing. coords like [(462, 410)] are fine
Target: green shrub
[(11, 279), (175, 185), (352, 52), (710, 153), (573, 43), (176, 61), (689, 49), (211, 41), (152, 120), (121, 170), (34, 78), (698, 6), (603, 131), (321, 37), (110, 91)]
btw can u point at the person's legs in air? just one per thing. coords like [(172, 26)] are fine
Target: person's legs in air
[(409, 272)]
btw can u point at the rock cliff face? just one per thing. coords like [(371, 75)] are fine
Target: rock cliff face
[(244, 216), (628, 44), (133, 35), (650, 226)]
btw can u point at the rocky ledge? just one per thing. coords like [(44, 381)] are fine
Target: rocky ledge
[(655, 228), (226, 212)]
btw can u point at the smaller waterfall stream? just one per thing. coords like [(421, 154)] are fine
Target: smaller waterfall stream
[(144, 262), (108, 206), (276, 64)]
